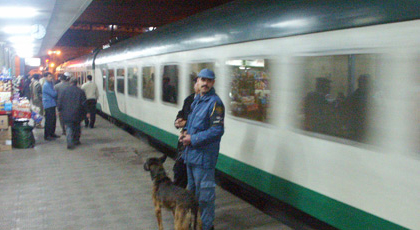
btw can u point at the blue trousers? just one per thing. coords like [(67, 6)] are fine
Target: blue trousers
[(73, 133), (202, 182)]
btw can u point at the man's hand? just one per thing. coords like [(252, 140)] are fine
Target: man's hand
[(186, 140), (182, 135), (180, 123)]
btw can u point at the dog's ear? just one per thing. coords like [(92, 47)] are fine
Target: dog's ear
[(163, 159), (146, 166)]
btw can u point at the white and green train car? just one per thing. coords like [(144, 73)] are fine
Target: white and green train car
[(357, 167)]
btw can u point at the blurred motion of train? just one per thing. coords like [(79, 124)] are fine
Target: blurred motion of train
[(322, 100)]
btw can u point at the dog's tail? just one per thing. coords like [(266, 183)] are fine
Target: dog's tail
[(195, 214), (195, 210)]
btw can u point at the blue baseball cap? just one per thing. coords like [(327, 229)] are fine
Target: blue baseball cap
[(206, 73)]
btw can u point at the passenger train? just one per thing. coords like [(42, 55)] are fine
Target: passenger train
[(321, 98)]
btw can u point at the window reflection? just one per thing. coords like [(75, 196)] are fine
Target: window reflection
[(132, 81), (250, 88), (120, 81), (170, 84), (149, 82), (111, 80), (338, 95)]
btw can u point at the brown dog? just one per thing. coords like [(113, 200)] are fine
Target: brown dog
[(181, 202)]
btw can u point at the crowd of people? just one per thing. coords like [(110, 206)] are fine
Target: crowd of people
[(73, 105), (201, 121)]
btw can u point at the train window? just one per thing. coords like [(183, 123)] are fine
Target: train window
[(120, 80), (337, 93), (195, 69), (149, 82), (111, 80), (132, 81), (104, 79), (250, 88), (170, 84)]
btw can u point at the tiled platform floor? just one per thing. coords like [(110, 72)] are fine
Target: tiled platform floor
[(99, 185)]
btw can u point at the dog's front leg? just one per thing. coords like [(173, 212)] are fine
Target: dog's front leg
[(158, 212)]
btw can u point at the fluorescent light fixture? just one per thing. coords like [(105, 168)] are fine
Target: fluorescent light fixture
[(17, 29), (21, 39), (33, 61), (17, 12), (24, 49), (24, 53)]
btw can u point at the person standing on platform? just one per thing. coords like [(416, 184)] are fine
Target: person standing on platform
[(49, 97), (180, 169), (43, 79), (36, 97), (92, 95), (26, 91), (64, 83), (71, 106), (205, 127)]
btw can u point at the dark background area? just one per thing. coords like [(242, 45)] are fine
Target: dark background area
[(115, 20)]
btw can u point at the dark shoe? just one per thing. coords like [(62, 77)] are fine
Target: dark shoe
[(70, 146), (92, 127), (77, 143), (55, 136), (48, 138)]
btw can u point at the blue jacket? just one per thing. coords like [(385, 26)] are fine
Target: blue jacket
[(205, 124), (49, 95)]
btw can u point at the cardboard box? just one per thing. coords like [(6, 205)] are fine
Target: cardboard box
[(6, 139), (4, 122), (5, 145), (6, 134)]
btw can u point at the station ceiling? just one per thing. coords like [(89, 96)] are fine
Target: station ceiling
[(77, 27), (34, 26), (106, 20)]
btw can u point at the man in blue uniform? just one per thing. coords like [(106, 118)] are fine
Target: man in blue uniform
[(205, 127), (49, 97)]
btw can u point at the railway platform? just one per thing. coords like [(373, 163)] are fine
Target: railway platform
[(99, 185)]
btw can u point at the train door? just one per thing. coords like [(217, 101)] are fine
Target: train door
[(120, 93)]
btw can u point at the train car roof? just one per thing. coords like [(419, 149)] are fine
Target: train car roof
[(248, 20), (82, 61)]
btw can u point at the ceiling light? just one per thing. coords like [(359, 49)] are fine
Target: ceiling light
[(21, 39), (17, 29), (17, 12), (24, 53)]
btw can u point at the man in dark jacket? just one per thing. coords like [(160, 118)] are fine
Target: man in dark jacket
[(59, 88), (72, 109)]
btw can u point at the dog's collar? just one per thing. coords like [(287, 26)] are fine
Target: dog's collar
[(159, 175), (162, 179)]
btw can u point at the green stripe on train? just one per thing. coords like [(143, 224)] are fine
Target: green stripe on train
[(331, 211)]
